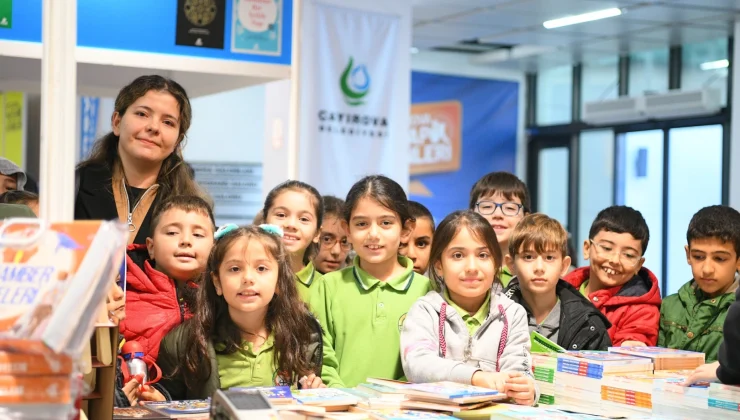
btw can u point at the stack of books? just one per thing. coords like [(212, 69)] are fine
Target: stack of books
[(545, 367), (663, 358), (724, 401), (187, 409), (449, 397), (581, 373), (329, 399), (672, 399), (632, 393), (54, 279)]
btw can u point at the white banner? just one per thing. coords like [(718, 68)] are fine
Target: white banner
[(355, 98)]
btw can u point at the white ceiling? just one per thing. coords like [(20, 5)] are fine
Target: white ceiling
[(644, 25)]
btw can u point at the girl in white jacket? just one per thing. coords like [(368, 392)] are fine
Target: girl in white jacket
[(466, 330)]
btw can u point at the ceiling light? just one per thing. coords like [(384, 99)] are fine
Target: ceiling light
[(586, 17), (414, 50), (714, 65)]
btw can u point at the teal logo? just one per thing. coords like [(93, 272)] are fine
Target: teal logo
[(355, 83)]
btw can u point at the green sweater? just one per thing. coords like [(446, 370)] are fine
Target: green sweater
[(691, 321), (362, 318), (306, 281)]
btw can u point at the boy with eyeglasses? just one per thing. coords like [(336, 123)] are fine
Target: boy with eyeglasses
[(503, 199), (333, 246), (692, 319), (615, 280)]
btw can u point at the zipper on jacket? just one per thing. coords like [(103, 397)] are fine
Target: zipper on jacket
[(180, 302), (130, 218)]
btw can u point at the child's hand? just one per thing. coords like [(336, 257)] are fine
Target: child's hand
[(520, 388), (704, 373), (490, 380), (131, 389), (633, 343), (149, 393), (311, 381)]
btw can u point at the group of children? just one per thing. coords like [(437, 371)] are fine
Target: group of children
[(280, 304)]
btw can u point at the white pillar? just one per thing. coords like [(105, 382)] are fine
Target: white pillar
[(58, 110), (295, 89)]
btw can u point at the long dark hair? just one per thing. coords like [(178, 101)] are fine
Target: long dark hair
[(318, 205), (174, 176), (449, 228), (287, 318)]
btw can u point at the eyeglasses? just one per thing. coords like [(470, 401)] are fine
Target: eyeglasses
[(627, 258), (328, 241), (489, 207)]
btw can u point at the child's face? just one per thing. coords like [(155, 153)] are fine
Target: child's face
[(181, 243), (615, 258), (502, 223), (419, 245), (247, 277), (149, 130), (8, 183), (467, 267), (538, 273), (295, 213), (713, 264), (333, 246), (376, 231)]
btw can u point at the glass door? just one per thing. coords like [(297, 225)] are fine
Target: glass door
[(639, 184), (548, 176)]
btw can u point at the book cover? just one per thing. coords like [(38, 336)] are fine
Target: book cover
[(390, 383), (656, 352), (178, 408), (54, 278), (541, 344), (407, 415), (602, 358), (452, 390), (25, 364), (270, 392), (324, 397), (141, 412), (35, 389)]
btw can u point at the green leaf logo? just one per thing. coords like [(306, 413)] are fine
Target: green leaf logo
[(355, 83)]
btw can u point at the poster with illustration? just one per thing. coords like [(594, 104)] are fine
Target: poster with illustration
[(256, 27), (461, 128)]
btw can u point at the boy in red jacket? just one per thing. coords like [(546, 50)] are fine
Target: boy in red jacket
[(615, 281), (162, 275)]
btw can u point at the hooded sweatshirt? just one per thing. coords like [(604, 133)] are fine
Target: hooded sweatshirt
[(633, 308), (434, 350), (8, 168)]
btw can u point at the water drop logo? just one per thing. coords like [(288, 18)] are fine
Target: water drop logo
[(355, 83)]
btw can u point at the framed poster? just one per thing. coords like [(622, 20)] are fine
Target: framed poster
[(256, 27), (201, 23)]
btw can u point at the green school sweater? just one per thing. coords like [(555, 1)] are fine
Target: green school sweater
[(306, 281), (362, 319)]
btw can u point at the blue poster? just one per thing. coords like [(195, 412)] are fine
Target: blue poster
[(256, 27), (88, 124), (461, 129)]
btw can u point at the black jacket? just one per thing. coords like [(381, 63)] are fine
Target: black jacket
[(728, 371), (582, 326), (94, 199)]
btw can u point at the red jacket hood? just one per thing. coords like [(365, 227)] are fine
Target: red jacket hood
[(140, 275), (641, 289)]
